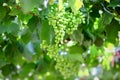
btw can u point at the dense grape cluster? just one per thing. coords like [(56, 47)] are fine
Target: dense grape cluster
[(66, 66), (73, 20), (56, 19), (64, 22)]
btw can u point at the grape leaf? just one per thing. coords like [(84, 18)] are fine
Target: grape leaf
[(93, 50), (112, 31), (51, 2), (60, 5), (26, 69), (103, 22), (10, 28), (107, 1), (26, 35), (8, 69), (114, 3), (75, 49), (75, 57), (46, 32), (28, 5), (33, 23), (75, 4), (2, 29), (2, 12)]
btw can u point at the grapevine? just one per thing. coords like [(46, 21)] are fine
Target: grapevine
[(63, 22)]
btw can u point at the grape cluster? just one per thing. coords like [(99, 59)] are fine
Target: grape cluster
[(73, 20), (64, 22), (52, 51), (66, 66), (56, 19)]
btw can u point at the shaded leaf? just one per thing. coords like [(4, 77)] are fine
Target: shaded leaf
[(99, 41), (2, 29), (13, 28), (2, 12), (112, 31), (26, 35), (104, 21), (26, 69), (8, 69), (33, 23), (114, 3), (47, 32)]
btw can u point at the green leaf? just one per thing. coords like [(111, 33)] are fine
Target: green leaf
[(75, 4), (47, 32), (77, 36), (51, 2), (104, 21), (112, 31), (76, 49), (37, 48), (93, 50), (8, 69), (60, 5), (51, 76), (2, 12), (75, 57), (28, 5), (2, 29), (2, 59), (14, 12), (114, 3), (26, 69), (33, 23), (24, 17), (26, 35), (13, 28)]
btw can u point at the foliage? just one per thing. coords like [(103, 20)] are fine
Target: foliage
[(59, 39)]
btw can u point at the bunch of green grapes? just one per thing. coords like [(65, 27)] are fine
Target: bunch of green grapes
[(52, 51), (66, 66), (74, 19), (57, 20), (64, 22)]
